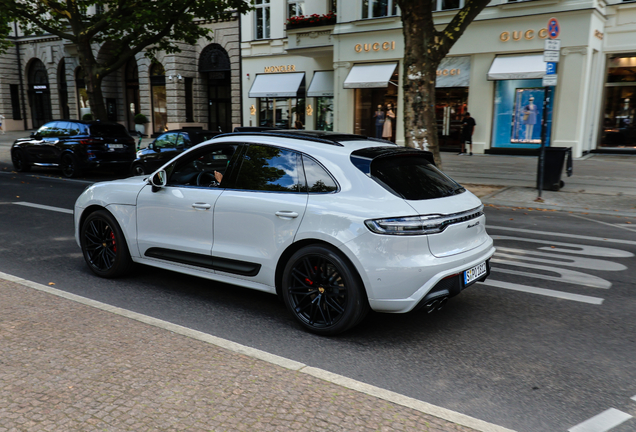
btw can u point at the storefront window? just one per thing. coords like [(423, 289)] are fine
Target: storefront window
[(378, 8), (619, 129), (159, 102), (284, 113), (450, 107), (324, 113), (375, 110), (518, 114)]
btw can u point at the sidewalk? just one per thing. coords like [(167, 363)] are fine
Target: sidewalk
[(601, 184), (73, 364)]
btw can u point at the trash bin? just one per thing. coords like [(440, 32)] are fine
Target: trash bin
[(553, 167)]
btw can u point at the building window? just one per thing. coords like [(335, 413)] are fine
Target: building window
[(284, 113), (262, 19), (440, 5), (15, 101), (333, 6), (619, 116), (378, 8), (189, 108), (295, 8)]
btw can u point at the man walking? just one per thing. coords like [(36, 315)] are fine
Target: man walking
[(468, 128)]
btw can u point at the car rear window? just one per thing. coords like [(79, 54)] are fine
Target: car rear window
[(108, 130), (408, 175)]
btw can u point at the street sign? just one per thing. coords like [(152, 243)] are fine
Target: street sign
[(549, 80), (551, 56), (552, 44), (550, 68), (553, 28)]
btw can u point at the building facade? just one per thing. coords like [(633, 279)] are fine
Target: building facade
[(41, 80), (346, 74)]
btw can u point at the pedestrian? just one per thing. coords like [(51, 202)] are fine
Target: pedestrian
[(468, 128), (1, 121), (379, 121)]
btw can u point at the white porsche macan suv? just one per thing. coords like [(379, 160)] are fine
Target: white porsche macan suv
[(333, 223)]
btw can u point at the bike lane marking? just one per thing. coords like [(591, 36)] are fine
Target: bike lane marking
[(44, 207), (602, 422)]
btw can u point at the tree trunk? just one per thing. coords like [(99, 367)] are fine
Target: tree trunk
[(420, 71), (93, 81)]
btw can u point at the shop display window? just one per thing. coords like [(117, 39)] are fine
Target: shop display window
[(450, 106), (283, 113), (519, 113), (324, 113), (376, 110), (619, 128)]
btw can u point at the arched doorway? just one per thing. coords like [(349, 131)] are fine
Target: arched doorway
[(39, 94), (214, 65), (159, 102), (62, 89), (132, 93)]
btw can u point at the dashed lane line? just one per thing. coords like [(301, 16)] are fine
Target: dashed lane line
[(409, 402), (44, 207), (545, 292), (602, 422)]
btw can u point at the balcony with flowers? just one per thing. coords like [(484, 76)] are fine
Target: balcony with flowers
[(310, 32)]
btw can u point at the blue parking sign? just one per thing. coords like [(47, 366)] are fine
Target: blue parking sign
[(550, 68)]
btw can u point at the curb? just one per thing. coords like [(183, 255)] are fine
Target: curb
[(351, 384)]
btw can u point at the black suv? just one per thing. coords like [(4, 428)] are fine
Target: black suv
[(166, 146), (75, 146)]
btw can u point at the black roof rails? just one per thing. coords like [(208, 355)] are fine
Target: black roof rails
[(332, 138)]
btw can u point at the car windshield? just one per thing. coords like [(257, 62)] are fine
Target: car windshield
[(412, 177), (108, 130)]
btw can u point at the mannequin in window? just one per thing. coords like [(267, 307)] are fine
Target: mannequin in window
[(387, 131), (529, 118), (379, 121)]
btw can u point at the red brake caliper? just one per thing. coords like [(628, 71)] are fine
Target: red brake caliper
[(112, 237)]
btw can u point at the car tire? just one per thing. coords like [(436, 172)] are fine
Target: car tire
[(138, 170), (20, 163), (323, 291), (104, 245), (69, 166)]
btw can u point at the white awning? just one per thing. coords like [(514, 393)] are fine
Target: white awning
[(370, 75), (517, 67), (321, 84), (284, 85)]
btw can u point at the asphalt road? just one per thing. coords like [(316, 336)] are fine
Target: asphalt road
[(545, 345)]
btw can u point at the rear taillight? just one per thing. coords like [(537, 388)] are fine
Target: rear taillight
[(89, 141), (421, 224)]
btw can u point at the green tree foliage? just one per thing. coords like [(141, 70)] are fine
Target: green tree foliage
[(5, 30), (424, 49), (126, 27)]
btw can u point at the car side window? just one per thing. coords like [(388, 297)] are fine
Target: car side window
[(73, 128), (205, 167), (181, 140), (48, 130), (266, 168), (64, 129), (168, 140), (318, 179)]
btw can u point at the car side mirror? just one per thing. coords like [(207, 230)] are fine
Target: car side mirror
[(158, 180)]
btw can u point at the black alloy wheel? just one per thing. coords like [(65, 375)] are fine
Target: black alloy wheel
[(69, 166), (19, 161), (322, 291), (138, 170), (104, 246)]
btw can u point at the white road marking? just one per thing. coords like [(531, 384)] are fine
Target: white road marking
[(544, 292), (566, 276), (555, 234), (603, 422), (633, 398), (399, 399), (559, 259), (44, 207), (603, 223), (571, 248)]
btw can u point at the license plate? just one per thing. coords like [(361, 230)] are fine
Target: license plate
[(115, 146), (475, 273)]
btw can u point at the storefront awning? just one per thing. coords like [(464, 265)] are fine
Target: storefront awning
[(283, 85), (370, 75), (321, 85), (517, 67)]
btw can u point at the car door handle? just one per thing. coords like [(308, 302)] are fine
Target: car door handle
[(287, 214), (201, 206)]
